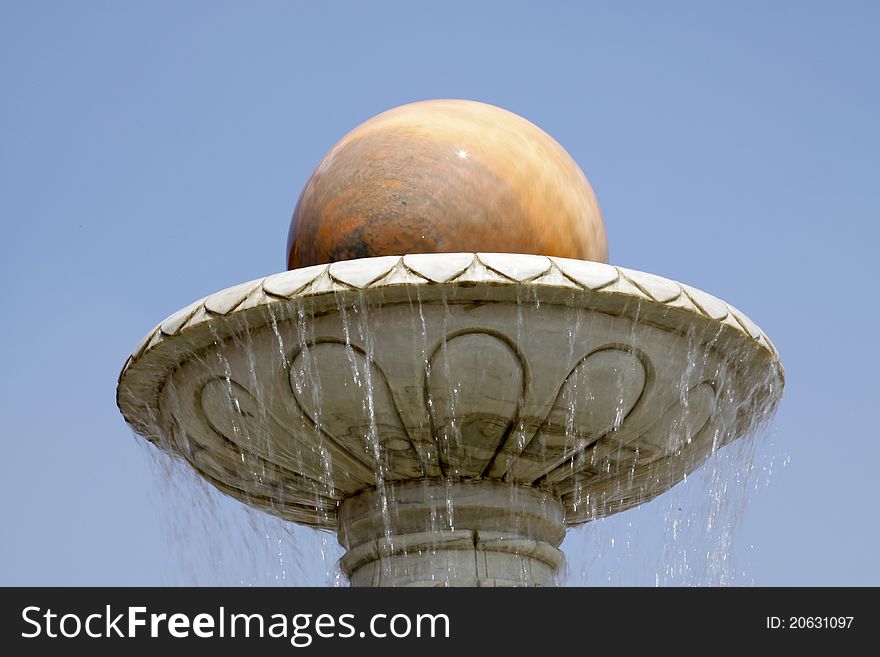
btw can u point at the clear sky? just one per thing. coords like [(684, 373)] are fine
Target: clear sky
[(152, 153)]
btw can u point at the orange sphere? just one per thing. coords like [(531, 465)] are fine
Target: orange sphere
[(446, 176)]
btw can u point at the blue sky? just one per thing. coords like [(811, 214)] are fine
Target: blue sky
[(153, 152)]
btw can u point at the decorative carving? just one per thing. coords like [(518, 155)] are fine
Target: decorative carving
[(473, 392), (356, 409), (596, 398)]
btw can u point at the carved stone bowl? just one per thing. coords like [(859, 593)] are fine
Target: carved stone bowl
[(598, 385)]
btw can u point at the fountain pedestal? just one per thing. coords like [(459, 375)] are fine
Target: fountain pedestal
[(438, 533)]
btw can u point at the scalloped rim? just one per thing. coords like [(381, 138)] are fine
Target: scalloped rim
[(450, 269)]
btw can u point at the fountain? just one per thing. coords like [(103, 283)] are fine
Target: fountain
[(449, 374)]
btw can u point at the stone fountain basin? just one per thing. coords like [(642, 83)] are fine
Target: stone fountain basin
[(600, 385)]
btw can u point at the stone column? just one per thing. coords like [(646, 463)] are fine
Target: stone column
[(443, 533)]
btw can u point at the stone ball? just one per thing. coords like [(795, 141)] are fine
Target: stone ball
[(446, 176)]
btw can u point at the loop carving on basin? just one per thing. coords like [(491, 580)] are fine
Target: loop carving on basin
[(602, 385)]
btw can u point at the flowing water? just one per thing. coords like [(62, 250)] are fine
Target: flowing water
[(686, 536)]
